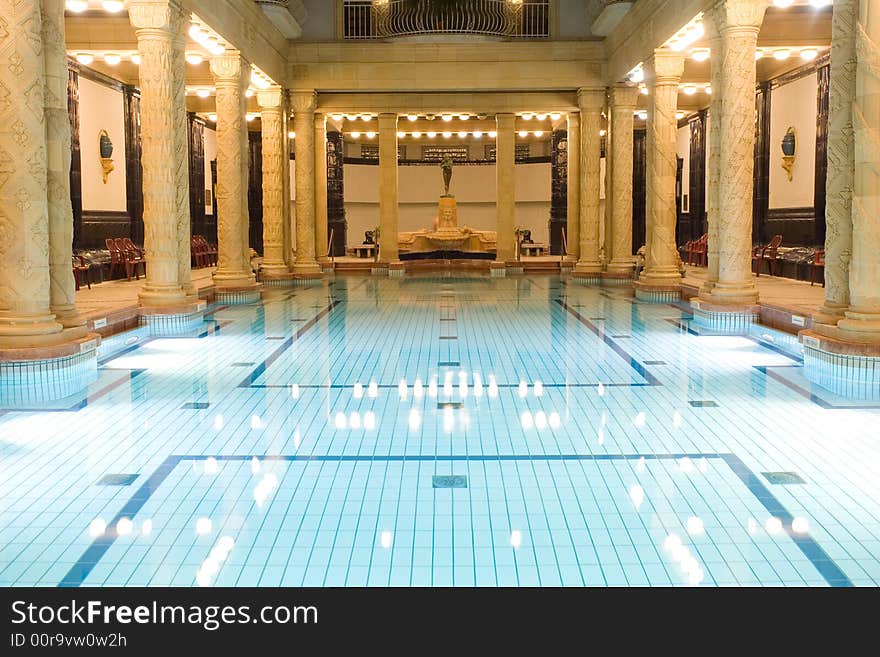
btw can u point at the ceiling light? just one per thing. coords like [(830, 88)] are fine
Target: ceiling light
[(492, 134), (541, 117), (782, 54), (194, 58), (76, 6), (463, 134), (250, 117), (637, 75), (194, 31), (643, 89), (351, 117), (204, 93), (643, 115), (355, 135), (523, 133), (696, 31), (555, 116), (337, 117), (464, 117), (708, 89), (478, 134), (135, 58), (783, 4), (527, 116), (212, 118), (366, 117), (412, 117), (700, 55), (689, 90), (679, 115), (371, 135), (431, 135), (447, 135), (539, 133), (85, 58), (417, 135), (809, 54), (602, 133), (113, 6), (112, 58), (291, 135), (759, 54), (401, 135), (447, 117)]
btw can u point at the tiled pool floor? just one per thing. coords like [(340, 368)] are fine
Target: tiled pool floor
[(440, 431)]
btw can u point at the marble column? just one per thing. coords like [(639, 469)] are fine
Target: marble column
[(232, 78), (841, 162), (321, 232), (622, 107), (662, 262), (61, 284), (25, 316), (275, 159), (181, 153), (574, 186), (713, 161), (388, 210), (156, 27), (591, 103), (505, 194), (738, 23), (304, 103), (862, 321)]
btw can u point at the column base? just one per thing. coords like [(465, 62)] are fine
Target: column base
[(830, 314), (159, 296), (725, 319), (306, 268), (617, 278), (845, 367), (657, 292), (234, 279), (68, 316), (31, 376), (237, 295), (860, 326), (745, 294), (173, 320), (497, 269)]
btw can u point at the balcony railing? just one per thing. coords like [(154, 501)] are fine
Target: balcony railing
[(383, 19)]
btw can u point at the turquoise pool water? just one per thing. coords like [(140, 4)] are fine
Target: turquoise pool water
[(444, 431)]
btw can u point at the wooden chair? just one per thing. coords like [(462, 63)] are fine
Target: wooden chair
[(117, 257), (82, 267), (767, 253), (208, 250), (132, 257), (700, 251), (818, 261)]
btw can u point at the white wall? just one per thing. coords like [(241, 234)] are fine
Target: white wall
[(101, 108), (794, 105), (420, 188), (210, 154)]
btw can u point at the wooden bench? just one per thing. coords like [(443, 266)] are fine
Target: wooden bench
[(533, 249), (363, 250)]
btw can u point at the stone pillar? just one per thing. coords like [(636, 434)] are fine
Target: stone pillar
[(505, 194), (304, 103), (661, 279), (862, 321), (738, 23), (573, 235), (841, 158), (321, 232), (181, 152), (275, 159), (231, 78), (623, 105), (61, 284), (713, 162), (157, 26), (388, 188), (591, 102), (25, 317)]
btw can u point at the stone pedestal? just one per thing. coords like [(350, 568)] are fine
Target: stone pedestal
[(447, 217), (660, 281)]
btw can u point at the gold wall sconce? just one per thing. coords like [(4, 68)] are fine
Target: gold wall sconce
[(789, 152), (105, 149)]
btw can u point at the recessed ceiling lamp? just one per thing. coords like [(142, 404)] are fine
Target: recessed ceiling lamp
[(76, 6), (355, 135), (708, 89), (689, 90), (204, 93), (113, 6), (194, 58), (782, 54), (417, 135), (250, 117), (759, 53), (412, 117), (637, 76), (212, 118), (541, 117), (351, 117), (447, 135), (555, 116), (809, 54), (431, 135), (643, 115), (112, 58), (337, 117), (366, 117), (679, 115), (447, 117), (539, 133), (527, 116), (643, 89), (464, 117), (700, 55), (401, 135), (492, 134), (478, 134), (463, 134), (371, 135), (135, 58), (523, 133), (291, 135), (783, 4), (602, 133), (85, 58)]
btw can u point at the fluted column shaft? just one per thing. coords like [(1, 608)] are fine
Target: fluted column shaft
[(573, 235), (321, 233), (304, 103), (713, 163), (623, 105), (156, 26), (62, 287), (231, 78), (505, 187), (271, 103), (661, 265), (863, 316), (738, 23), (591, 102), (25, 318), (388, 212), (181, 154)]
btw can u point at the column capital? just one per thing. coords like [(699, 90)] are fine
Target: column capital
[(159, 15), (591, 99), (738, 15), (228, 67), (271, 98), (666, 66), (624, 96), (303, 100)]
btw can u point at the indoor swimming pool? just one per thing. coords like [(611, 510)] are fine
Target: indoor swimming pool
[(443, 430)]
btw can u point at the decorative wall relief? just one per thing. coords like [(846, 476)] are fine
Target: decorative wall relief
[(105, 148), (789, 148)]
